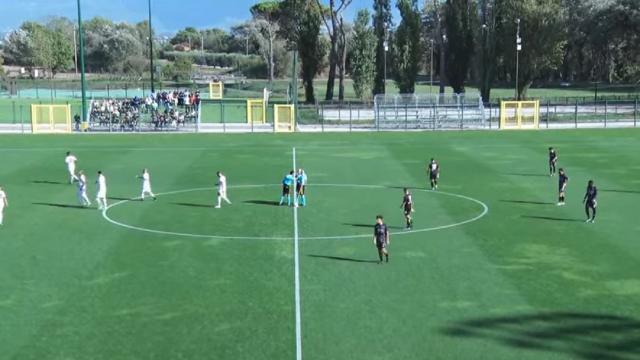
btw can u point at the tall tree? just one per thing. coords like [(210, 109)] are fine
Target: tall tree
[(334, 23), (381, 26), (363, 66), (265, 29), (407, 46), (300, 24), (35, 45), (543, 39), (458, 24), (487, 46)]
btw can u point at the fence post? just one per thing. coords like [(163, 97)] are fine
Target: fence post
[(635, 112), (433, 114), (462, 117), (378, 118), (576, 114), (548, 112), (406, 116), (605, 112), (490, 114), (13, 107), (350, 118), (22, 119)]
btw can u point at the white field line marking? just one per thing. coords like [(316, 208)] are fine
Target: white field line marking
[(485, 210), (296, 264)]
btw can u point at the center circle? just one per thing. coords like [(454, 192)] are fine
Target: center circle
[(482, 210)]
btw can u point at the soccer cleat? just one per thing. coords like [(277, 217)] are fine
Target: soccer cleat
[(217, 206)]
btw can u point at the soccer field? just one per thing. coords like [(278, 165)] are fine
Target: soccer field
[(493, 269)]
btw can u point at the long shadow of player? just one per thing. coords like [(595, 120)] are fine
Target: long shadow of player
[(580, 335), (340, 258), (49, 182), (193, 205), (551, 218), (527, 202), (65, 206), (527, 174), (262, 202), (621, 191), (370, 226)]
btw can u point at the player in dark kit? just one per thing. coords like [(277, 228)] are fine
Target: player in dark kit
[(381, 238), (407, 208), (590, 201), (434, 173), (563, 179), (553, 159)]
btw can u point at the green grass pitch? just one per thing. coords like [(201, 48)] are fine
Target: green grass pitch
[(528, 280)]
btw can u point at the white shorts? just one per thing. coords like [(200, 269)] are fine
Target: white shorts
[(101, 195), (222, 192), (146, 187), (72, 169)]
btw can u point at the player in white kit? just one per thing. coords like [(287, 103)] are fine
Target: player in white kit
[(71, 166), (4, 202), (146, 185), (83, 199), (101, 197), (222, 189)]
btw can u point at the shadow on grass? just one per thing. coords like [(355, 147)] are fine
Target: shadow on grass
[(406, 187), (49, 182), (527, 174), (527, 202), (262, 202), (579, 335), (339, 258), (370, 226), (121, 198), (65, 206), (193, 205), (621, 191), (551, 218)]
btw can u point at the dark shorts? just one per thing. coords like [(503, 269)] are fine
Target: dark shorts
[(301, 189), (560, 188), (433, 176), (407, 211), (591, 204), (381, 245), (285, 190)]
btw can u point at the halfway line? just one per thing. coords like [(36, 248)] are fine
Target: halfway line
[(296, 261)]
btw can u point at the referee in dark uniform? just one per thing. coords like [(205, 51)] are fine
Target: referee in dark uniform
[(381, 238), (553, 159), (590, 201)]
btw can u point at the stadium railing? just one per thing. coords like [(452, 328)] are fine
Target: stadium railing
[(230, 116)]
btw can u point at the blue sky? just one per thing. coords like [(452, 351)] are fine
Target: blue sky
[(168, 15)]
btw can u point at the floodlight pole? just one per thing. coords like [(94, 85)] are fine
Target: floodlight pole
[(83, 81), (518, 48), (386, 49), (151, 49), (294, 74), (431, 68)]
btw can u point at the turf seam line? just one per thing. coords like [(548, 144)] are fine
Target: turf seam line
[(296, 260)]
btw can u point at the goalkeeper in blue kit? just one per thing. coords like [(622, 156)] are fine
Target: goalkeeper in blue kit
[(301, 183), (287, 183)]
